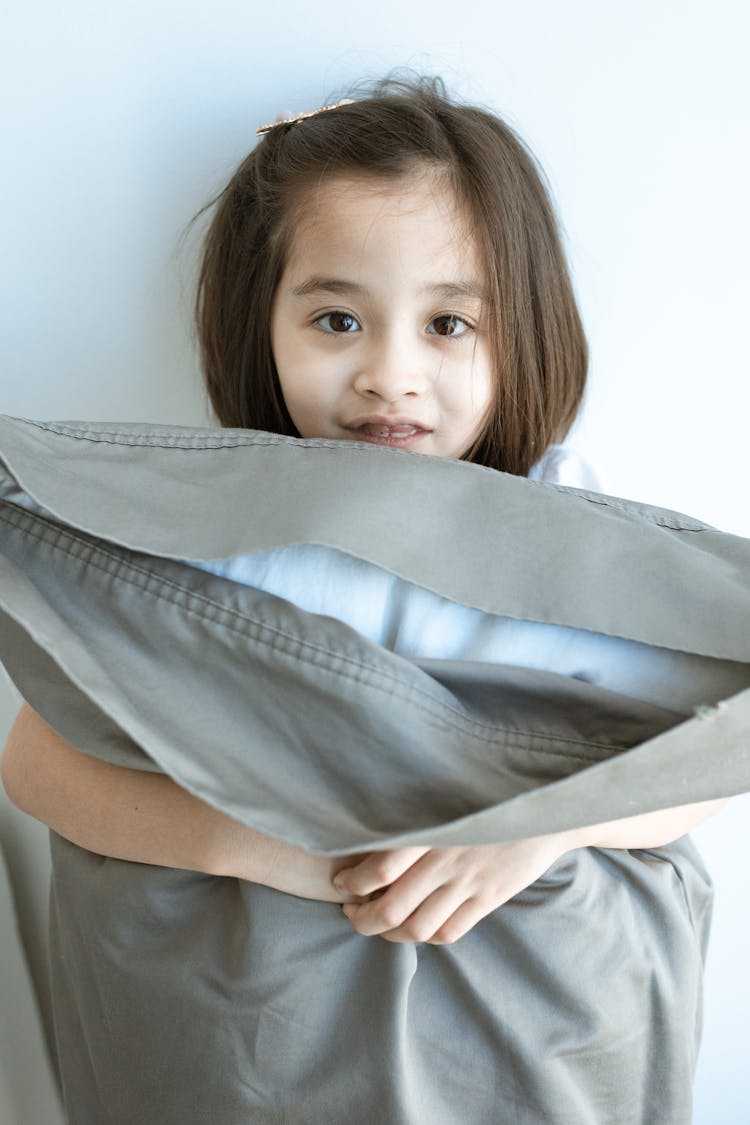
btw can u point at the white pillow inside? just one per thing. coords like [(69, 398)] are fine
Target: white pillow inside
[(419, 624)]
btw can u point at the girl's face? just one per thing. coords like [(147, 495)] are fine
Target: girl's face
[(377, 325)]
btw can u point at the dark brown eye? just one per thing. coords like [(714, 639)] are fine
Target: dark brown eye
[(448, 325), (337, 322)]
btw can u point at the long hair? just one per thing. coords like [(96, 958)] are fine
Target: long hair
[(537, 343)]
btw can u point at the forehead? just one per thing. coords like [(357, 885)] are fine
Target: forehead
[(416, 220)]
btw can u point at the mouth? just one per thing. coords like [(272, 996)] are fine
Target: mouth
[(403, 433)]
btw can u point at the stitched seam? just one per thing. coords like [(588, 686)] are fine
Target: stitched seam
[(54, 537), (180, 441), (619, 506), (171, 441)]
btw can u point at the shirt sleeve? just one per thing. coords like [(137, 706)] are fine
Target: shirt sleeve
[(564, 466)]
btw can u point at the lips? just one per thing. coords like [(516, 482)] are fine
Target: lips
[(384, 426), (393, 431), (375, 429)]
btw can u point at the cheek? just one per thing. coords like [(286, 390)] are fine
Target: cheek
[(293, 390), (473, 391), (277, 340), (303, 393), (285, 349), (484, 392)]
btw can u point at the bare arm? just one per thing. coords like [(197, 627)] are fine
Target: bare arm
[(438, 894), (648, 830), (146, 817)]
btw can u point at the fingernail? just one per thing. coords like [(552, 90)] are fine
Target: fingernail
[(339, 884)]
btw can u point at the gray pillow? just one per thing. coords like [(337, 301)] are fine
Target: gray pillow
[(262, 1007)]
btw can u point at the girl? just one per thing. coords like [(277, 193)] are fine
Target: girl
[(389, 271)]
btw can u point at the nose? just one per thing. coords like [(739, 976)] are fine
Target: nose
[(392, 369)]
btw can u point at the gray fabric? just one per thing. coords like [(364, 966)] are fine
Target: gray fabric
[(27, 1086), (183, 998)]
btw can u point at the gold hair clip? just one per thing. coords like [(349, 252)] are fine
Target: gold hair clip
[(286, 119)]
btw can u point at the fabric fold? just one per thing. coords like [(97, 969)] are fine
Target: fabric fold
[(202, 493), (181, 998), (294, 723)]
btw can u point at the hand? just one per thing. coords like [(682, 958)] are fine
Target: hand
[(437, 895), (296, 872)]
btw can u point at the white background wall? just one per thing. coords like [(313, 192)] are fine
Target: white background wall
[(119, 120)]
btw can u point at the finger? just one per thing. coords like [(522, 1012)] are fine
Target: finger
[(429, 918), (451, 930), (413, 908), (461, 921), (379, 869)]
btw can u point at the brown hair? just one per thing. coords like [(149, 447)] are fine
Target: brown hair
[(536, 337)]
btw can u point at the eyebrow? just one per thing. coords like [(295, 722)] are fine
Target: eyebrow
[(339, 287)]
